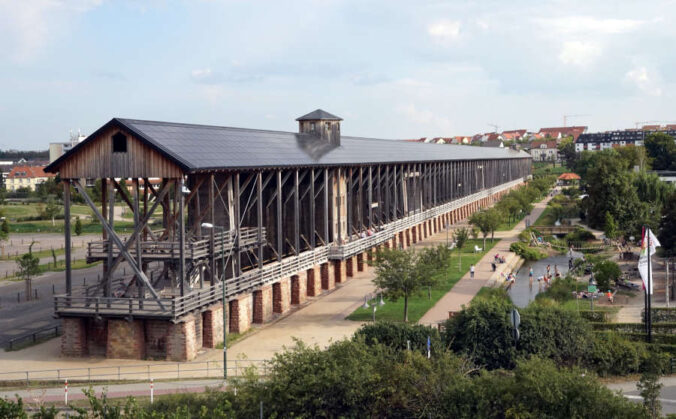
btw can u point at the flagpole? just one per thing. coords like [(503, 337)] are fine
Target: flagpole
[(649, 313), (645, 283)]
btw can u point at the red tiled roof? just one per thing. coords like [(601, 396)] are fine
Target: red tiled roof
[(569, 176), (574, 131), (537, 144), (651, 128), (28, 172)]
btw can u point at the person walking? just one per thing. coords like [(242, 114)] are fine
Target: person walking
[(530, 275), (471, 271)]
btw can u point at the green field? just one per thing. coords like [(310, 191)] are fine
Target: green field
[(39, 254), (546, 218), (419, 304)]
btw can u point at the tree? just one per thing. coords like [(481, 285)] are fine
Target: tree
[(78, 226), (397, 275), (431, 261), (649, 387), (604, 272), (460, 236), (667, 231), (610, 226), (662, 149), (567, 151), (487, 221), (29, 266), (51, 210)]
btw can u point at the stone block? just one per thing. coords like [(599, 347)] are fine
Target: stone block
[(281, 295), (299, 288), (328, 278), (350, 266), (126, 339), (212, 326), (74, 337), (361, 266), (262, 304), (184, 338), (340, 271), (240, 314), (314, 281)]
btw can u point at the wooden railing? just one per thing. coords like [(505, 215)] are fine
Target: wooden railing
[(386, 232), (175, 307), (195, 249)]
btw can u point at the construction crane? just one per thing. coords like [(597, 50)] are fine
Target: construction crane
[(495, 127), (565, 118)]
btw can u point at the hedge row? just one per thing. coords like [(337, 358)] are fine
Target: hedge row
[(667, 328), (657, 338), (595, 316), (662, 315)]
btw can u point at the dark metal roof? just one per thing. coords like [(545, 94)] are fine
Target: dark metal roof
[(204, 147), (319, 114)]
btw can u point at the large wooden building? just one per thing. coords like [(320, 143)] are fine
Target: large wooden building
[(275, 216)]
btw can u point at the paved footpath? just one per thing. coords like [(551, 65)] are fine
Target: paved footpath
[(465, 289)]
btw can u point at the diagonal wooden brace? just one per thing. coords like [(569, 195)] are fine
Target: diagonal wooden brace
[(118, 242)]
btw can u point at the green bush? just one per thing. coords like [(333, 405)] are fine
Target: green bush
[(661, 315), (611, 354), (483, 333), (560, 289), (669, 328), (526, 252), (554, 333), (579, 235), (594, 316)]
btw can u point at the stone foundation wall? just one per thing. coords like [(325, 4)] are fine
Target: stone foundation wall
[(126, 339), (74, 337), (262, 304), (299, 288), (212, 326), (240, 314), (156, 338), (327, 274), (182, 339), (281, 296), (314, 281)]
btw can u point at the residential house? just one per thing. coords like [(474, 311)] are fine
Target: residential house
[(26, 177), (609, 139), (558, 133), (545, 151)]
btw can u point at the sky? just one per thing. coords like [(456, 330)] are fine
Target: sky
[(392, 69)]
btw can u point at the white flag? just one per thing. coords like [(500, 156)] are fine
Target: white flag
[(644, 257)]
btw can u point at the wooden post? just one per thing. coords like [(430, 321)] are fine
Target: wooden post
[(370, 195), (259, 217), (111, 223), (326, 205), (296, 214), (348, 203), (280, 231), (139, 257), (237, 257), (181, 235), (313, 238), (212, 231), (66, 229)]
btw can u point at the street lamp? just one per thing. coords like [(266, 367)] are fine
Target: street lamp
[(225, 315)]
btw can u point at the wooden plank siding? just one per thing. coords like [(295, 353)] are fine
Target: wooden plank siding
[(96, 160)]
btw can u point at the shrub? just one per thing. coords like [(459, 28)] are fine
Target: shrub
[(526, 252), (662, 314), (396, 335), (606, 271), (483, 333), (554, 333), (579, 235), (613, 355), (594, 316)]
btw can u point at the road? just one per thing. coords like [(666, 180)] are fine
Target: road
[(19, 318), (668, 393)]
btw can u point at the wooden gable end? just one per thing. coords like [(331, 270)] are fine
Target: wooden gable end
[(98, 159)]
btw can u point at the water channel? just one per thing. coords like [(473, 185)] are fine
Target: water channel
[(523, 292)]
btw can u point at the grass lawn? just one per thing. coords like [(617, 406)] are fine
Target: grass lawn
[(546, 218), (59, 267), (508, 225), (45, 226), (419, 304), (40, 254)]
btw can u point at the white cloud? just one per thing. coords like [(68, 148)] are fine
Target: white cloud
[(430, 120), (644, 80), (444, 30), (28, 25), (579, 53), (588, 25)]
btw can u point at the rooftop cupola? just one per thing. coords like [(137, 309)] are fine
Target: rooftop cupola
[(322, 124)]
